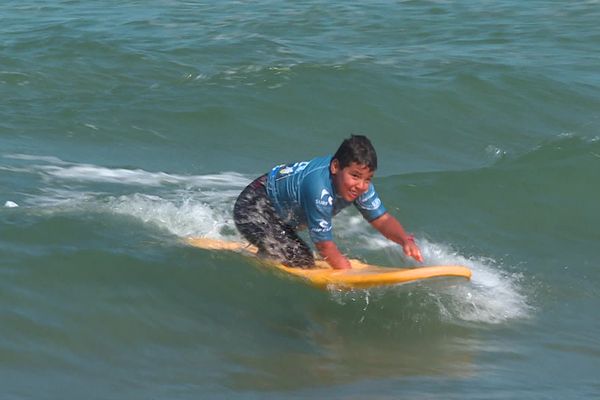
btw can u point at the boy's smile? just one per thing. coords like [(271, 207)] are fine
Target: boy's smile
[(352, 181)]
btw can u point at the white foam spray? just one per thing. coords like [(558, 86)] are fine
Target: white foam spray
[(185, 217), (493, 295), (184, 205)]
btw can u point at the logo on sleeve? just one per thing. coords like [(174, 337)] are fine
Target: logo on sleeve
[(285, 170), (325, 199), (322, 226), (370, 203)]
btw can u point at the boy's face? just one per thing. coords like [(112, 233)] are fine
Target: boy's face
[(352, 181)]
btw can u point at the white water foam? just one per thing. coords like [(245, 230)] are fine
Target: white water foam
[(138, 177), (492, 296), (185, 217), (184, 205), (55, 168)]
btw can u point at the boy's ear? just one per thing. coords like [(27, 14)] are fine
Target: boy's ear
[(334, 167)]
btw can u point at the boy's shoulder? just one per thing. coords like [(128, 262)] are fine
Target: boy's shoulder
[(316, 183), (301, 168), (317, 171)]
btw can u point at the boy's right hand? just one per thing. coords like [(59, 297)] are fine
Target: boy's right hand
[(330, 252)]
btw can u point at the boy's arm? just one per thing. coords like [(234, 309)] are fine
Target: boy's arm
[(391, 228), (330, 252)]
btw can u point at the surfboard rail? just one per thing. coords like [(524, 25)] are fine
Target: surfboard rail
[(361, 275)]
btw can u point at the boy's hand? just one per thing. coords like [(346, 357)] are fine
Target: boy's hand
[(412, 250), (393, 230), (330, 252)]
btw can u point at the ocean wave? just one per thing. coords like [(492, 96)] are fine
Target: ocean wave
[(200, 205)]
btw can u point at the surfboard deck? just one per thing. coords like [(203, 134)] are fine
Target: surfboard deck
[(361, 275)]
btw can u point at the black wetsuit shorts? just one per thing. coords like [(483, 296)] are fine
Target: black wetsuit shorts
[(257, 220)]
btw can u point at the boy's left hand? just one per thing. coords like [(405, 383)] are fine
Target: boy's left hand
[(412, 250)]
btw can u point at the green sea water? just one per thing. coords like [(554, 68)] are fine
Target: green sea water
[(126, 127)]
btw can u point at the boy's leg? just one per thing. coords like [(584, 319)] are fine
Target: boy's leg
[(284, 244), (258, 222)]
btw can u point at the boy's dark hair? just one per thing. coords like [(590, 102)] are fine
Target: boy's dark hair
[(357, 149)]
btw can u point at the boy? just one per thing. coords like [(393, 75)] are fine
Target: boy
[(308, 194)]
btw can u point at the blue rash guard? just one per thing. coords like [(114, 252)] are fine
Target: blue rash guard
[(303, 194)]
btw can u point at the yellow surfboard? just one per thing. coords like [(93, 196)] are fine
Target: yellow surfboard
[(360, 276)]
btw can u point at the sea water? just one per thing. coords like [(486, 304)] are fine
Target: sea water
[(127, 126)]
